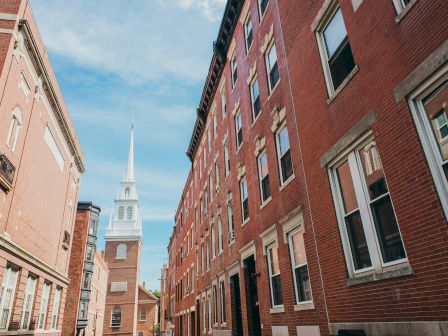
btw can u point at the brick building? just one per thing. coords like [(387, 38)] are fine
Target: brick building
[(97, 302), (81, 269), (40, 167), (286, 224), (124, 239), (148, 311)]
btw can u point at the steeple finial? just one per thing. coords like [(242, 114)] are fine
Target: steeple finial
[(129, 177)]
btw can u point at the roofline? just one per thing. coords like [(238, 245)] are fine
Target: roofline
[(217, 65)]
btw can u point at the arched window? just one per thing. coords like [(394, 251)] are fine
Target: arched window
[(121, 251), (120, 212), (115, 320), (129, 212), (14, 128), (127, 192)]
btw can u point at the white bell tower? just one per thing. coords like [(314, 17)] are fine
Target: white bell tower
[(125, 223)]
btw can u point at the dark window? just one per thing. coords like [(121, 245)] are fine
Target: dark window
[(234, 68), (272, 67), (263, 4), (255, 97), (248, 32), (286, 169)]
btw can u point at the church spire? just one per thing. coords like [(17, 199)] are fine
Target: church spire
[(129, 176)]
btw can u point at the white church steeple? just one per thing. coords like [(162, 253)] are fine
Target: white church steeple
[(125, 223)]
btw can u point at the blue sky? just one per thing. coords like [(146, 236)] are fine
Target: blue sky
[(118, 60)]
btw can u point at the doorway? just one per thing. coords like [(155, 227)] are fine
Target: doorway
[(237, 318), (253, 308)]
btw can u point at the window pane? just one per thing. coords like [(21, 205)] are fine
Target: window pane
[(435, 105), (334, 33), (298, 249), (303, 283), (249, 36), (286, 164), (346, 187), (283, 140), (276, 291), (263, 5), (358, 243), (275, 269), (341, 63), (387, 230), (373, 170)]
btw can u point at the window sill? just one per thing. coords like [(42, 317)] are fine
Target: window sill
[(224, 325), (334, 94), (288, 181), (245, 222), (405, 11), (266, 202), (275, 87), (304, 306), (386, 274), (277, 310)]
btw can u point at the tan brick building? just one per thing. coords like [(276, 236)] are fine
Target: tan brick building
[(97, 302), (148, 311), (123, 249), (81, 269), (40, 167)]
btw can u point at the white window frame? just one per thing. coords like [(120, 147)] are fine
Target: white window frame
[(122, 251), (227, 159), (43, 309), (294, 266), (260, 177), (140, 315), (28, 302), (213, 240), (424, 130), (262, 14), (372, 241), (9, 285), (220, 236), (231, 223), (244, 187), (211, 187), (400, 6), (215, 304), (215, 125), (223, 102), (246, 32), (270, 274), (238, 127), (55, 310), (222, 294), (207, 253), (271, 46), (252, 98), (209, 306), (217, 176), (233, 69), (14, 129), (279, 155)]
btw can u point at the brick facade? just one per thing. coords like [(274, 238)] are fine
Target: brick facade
[(148, 312), (41, 167), (322, 294)]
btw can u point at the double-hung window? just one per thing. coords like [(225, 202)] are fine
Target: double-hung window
[(430, 114), (30, 290), (274, 275), (284, 154), (400, 5), (227, 159), (262, 5), (244, 199), (207, 250), (255, 99), (215, 305), (299, 264), (211, 187), (222, 290), (335, 50), (217, 177), (8, 292), (220, 241), (238, 130), (223, 102), (213, 240), (234, 70), (263, 173), (231, 223), (202, 259), (272, 67), (115, 320), (215, 126), (43, 306), (371, 236), (55, 311), (248, 33)]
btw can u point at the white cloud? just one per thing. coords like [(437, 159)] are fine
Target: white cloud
[(136, 40)]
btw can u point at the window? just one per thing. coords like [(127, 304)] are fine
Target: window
[(274, 275), (272, 67), (140, 333), (143, 315), (127, 192), (115, 320), (263, 172), (83, 310), (121, 212), (400, 5), (366, 214), (231, 223), (121, 251), (129, 212), (222, 291), (223, 103), (209, 139), (202, 259), (205, 201), (209, 313), (217, 177), (336, 51), (220, 244), (215, 126), (262, 5), (8, 292), (54, 148), (55, 311), (284, 155), (215, 305), (211, 187), (227, 159), (90, 253), (248, 33), (92, 227), (213, 240), (299, 263), (204, 153), (255, 99), (244, 200), (30, 291), (192, 279), (43, 306), (234, 69), (207, 250), (86, 280), (239, 130), (14, 129)]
